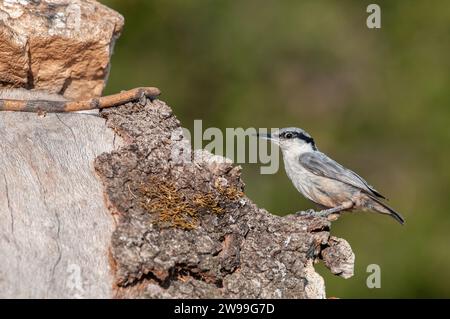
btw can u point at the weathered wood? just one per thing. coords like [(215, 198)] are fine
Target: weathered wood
[(54, 227)]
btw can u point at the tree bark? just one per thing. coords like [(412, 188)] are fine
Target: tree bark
[(155, 220)]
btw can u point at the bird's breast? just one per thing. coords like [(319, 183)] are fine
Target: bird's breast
[(324, 191), (300, 177)]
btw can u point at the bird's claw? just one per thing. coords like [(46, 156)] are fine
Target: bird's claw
[(306, 213), (142, 100), (322, 213)]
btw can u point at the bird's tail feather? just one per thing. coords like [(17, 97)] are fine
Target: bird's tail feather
[(385, 209)]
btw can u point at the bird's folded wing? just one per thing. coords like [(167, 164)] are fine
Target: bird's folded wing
[(321, 165)]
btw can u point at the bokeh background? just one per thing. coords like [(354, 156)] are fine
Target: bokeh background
[(377, 101)]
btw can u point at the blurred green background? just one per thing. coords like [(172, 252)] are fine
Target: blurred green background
[(377, 101)]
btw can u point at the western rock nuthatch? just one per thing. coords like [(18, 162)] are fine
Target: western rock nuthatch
[(323, 180)]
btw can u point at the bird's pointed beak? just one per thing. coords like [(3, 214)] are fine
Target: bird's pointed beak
[(266, 136)]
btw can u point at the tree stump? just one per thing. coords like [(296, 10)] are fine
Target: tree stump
[(154, 220)]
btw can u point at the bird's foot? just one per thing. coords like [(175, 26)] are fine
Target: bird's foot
[(313, 213), (325, 212), (142, 100), (307, 213)]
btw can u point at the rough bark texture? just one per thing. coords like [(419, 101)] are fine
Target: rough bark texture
[(186, 230), (184, 227), (60, 46)]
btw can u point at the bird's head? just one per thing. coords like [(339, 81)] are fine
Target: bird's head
[(293, 140)]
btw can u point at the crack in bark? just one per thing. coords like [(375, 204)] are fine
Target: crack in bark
[(70, 129), (58, 246), (8, 202), (58, 222)]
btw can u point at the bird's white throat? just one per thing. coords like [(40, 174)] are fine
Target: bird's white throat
[(295, 149)]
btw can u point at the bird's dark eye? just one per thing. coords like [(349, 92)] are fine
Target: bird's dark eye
[(288, 135)]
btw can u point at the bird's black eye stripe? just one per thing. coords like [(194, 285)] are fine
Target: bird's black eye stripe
[(308, 139), (302, 136)]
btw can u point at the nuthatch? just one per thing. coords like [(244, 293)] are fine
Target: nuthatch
[(323, 180)]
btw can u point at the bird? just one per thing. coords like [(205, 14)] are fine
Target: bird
[(323, 180)]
